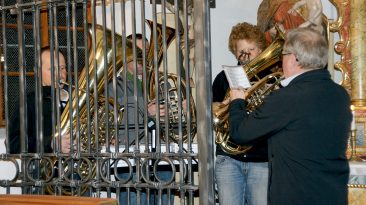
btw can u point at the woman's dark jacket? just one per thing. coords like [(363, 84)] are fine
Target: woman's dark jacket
[(259, 152)]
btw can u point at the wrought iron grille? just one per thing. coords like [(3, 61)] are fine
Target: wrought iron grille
[(137, 131)]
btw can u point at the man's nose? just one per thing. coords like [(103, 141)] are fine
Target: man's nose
[(63, 74), (62, 78)]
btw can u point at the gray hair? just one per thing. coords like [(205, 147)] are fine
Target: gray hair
[(309, 47)]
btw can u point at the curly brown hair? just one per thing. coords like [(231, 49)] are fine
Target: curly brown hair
[(248, 32)]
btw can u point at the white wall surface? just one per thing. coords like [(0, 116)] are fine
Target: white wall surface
[(128, 21), (226, 15), (7, 169)]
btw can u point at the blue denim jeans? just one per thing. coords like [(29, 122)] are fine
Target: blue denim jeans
[(240, 183), (154, 195)]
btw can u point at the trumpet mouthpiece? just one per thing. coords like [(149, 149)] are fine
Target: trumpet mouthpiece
[(62, 82)]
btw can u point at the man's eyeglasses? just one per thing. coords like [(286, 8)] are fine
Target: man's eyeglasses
[(287, 53)]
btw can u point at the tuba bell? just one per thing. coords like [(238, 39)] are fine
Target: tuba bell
[(156, 86), (261, 88)]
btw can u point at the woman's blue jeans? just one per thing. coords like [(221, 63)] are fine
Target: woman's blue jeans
[(240, 183)]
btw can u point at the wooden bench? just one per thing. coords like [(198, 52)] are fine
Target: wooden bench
[(53, 200)]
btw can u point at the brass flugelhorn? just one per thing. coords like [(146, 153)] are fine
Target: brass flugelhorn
[(261, 87)]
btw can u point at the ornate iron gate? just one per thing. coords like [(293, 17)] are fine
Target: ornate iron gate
[(137, 131)]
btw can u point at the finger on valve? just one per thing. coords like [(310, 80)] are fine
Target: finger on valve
[(65, 143), (237, 93)]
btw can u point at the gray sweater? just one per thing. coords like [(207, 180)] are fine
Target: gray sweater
[(129, 106)]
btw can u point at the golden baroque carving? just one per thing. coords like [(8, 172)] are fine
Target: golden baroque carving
[(342, 47)]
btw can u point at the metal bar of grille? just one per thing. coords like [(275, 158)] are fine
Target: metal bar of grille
[(118, 149), (203, 75)]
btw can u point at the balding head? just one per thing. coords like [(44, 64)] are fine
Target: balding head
[(47, 68)]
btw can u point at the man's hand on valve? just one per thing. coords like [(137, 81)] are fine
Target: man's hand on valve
[(152, 109), (237, 93), (65, 143)]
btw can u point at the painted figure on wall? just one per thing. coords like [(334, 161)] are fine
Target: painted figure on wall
[(289, 14), (314, 17), (271, 13)]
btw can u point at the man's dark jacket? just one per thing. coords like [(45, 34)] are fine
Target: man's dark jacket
[(307, 124), (14, 129)]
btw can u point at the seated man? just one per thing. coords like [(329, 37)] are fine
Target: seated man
[(129, 137), (47, 111)]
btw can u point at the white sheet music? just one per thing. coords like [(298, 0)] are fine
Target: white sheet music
[(236, 76)]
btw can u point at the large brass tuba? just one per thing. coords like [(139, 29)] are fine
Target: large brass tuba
[(172, 84), (97, 79), (88, 80), (261, 88), (79, 115)]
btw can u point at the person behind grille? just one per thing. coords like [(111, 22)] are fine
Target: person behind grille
[(306, 123), (164, 175), (241, 179), (47, 111)]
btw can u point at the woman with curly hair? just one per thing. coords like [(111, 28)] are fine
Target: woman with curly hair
[(241, 179)]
